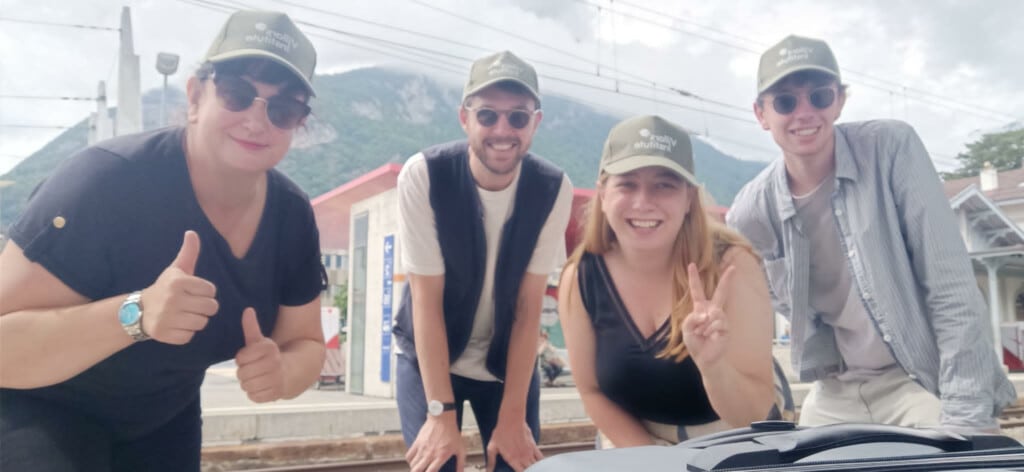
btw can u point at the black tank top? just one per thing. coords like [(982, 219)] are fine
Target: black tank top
[(629, 372)]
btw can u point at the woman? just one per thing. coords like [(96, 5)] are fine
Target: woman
[(144, 259), (666, 313)]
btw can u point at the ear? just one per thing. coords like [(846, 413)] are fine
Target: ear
[(537, 119), (464, 118), (759, 114), (193, 91), (842, 102)]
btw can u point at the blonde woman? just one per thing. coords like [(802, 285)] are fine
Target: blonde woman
[(666, 313)]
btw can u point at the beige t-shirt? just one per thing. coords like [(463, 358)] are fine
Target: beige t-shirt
[(832, 293), (421, 251)]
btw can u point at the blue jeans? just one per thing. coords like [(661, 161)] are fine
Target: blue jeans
[(484, 398), (43, 436)]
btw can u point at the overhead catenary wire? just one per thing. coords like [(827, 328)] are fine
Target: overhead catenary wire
[(976, 110), (61, 25), (46, 97), (430, 57)]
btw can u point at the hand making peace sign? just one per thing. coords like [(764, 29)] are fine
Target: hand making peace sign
[(706, 328)]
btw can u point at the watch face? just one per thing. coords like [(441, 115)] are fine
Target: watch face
[(129, 313), (435, 408)]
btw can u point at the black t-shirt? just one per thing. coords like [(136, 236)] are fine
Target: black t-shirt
[(110, 219), (628, 370)]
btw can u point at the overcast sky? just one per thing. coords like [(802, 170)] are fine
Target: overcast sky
[(953, 69)]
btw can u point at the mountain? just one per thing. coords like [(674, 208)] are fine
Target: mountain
[(365, 118)]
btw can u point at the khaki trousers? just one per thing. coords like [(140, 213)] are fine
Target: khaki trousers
[(890, 398)]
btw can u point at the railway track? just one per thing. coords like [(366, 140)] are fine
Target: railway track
[(397, 464), (1012, 417)]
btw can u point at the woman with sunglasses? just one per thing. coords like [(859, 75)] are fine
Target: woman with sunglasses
[(864, 258), (666, 313), (145, 259)]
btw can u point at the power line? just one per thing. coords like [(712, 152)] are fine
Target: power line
[(643, 81), (430, 57), (62, 25), (3, 125), (973, 109), (41, 97)]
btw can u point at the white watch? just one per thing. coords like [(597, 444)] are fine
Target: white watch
[(436, 407)]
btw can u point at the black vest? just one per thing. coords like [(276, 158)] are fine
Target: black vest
[(458, 214)]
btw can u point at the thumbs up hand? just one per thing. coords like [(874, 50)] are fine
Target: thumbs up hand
[(260, 369), (179, 304)]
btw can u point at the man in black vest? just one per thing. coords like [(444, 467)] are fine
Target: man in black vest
[(482, 224)]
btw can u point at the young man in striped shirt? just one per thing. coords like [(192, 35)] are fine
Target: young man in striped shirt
[(863, 258)]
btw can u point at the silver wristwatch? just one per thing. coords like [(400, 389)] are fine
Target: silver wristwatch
[(130, 316)]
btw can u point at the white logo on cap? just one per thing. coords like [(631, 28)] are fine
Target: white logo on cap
[(650, 140), (499, 68), (268, 37), (793, 55)]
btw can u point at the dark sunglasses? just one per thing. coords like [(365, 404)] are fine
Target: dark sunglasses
[(822, 98), (237, 94), (517, 119)]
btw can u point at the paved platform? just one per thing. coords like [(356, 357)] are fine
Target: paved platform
[(229, 418)]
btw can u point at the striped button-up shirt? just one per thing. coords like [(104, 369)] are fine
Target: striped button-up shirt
[(907, 260)]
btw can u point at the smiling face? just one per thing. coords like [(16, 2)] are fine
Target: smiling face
[(806, 131), (496, 150), (244, 140), (645, 208)]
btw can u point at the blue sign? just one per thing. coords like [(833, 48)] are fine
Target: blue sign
[(385, 322)]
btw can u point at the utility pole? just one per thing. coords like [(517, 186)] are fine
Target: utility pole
[(129, 95)]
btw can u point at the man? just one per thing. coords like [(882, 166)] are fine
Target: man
[(481, 225), (863, 257)]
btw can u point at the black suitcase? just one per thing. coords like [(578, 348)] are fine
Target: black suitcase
[(782, 446)]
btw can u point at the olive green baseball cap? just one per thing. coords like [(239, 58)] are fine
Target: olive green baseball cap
[(645, 141), (794, 54), (269, 35), (500, 67)]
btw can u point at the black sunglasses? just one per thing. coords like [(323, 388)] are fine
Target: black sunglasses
[(822, 98), (517, 119), (237, 94)]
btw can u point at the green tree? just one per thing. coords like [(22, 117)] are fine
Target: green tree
[(341, 302), (1004, 150)]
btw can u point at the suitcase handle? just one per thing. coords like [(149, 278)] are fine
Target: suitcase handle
[(786, 448)]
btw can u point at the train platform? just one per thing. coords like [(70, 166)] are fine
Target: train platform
[(330, 424)]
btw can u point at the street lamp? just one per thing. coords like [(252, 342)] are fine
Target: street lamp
[(166, 64)]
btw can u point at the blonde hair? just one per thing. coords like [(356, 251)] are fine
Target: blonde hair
[(701, 240)]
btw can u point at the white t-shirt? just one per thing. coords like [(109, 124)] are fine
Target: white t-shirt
[(421, 251)]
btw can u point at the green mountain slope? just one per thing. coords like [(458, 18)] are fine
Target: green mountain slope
[(368, 117)]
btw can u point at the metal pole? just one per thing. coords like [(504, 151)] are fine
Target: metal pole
[(163, 104), (995, 313)]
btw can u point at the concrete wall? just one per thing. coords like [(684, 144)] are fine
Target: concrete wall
[(382, 212)]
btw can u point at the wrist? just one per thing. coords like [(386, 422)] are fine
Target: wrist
[(511, 414), (130, 316), (446, 418)]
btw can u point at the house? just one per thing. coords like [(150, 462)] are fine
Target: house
[(990, 211)]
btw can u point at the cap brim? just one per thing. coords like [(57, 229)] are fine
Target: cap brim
[(240, 53), (784, 73), (491, 82), (632, 163)]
